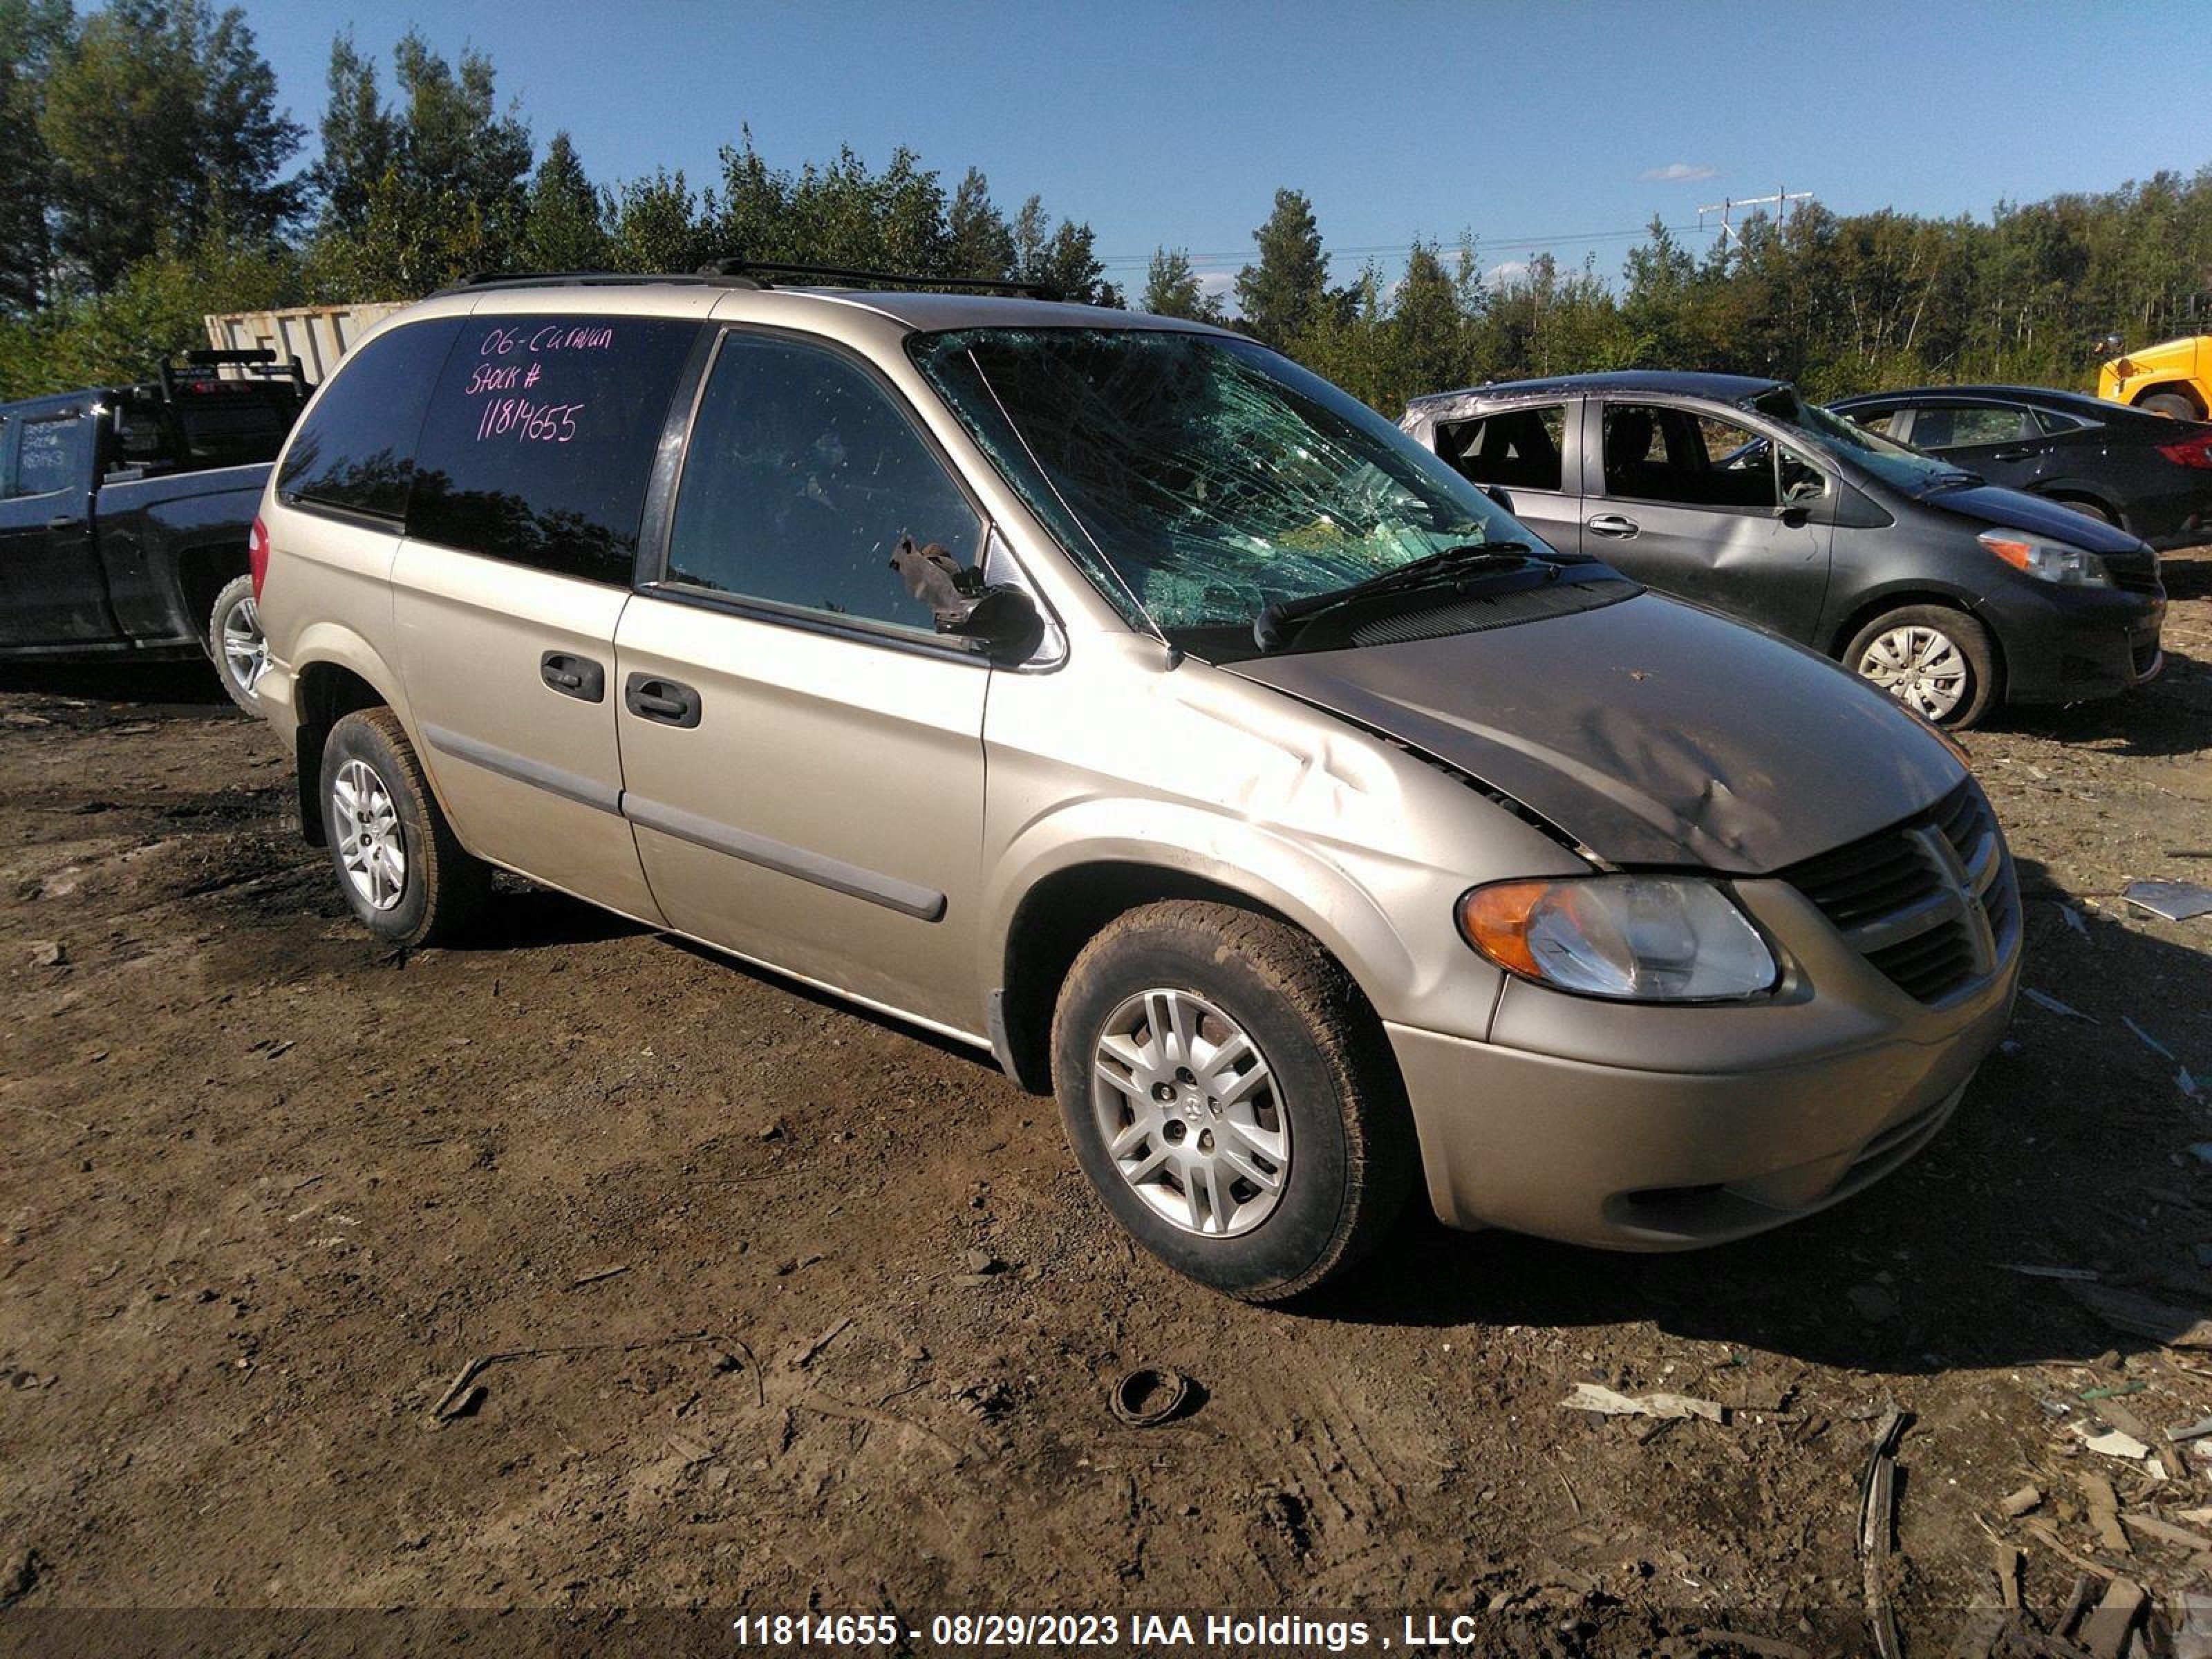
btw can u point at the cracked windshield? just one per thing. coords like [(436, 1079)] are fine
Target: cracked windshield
[(1198, 479)]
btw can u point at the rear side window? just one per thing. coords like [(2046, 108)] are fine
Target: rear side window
[(540, 439), (1954, 426), (1516, 447), (354, 450), (802, 477), (52, 456)]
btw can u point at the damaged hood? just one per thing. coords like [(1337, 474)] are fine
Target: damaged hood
[(1651, 732), (2015, 509)]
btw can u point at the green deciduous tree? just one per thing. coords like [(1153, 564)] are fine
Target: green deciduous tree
[(1172, 288), (156, 117), (33, 34)]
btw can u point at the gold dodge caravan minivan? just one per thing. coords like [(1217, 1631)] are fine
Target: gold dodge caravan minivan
[(1107, 691)]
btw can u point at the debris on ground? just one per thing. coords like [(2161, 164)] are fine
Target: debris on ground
[(1149, 1396), (2017, 1503), (2113, 1443), (2052, 1004), (1877, 1532), (2142, 1315), (2173, 901), (1595, 1397)]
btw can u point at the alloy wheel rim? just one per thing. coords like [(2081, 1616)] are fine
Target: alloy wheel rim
[(371, 847), (244, 646), (1188, 1110), (1922, 667)]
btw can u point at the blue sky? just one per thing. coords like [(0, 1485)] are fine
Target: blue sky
[(1531, 124)]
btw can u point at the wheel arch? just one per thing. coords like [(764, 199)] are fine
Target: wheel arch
[(2182, 389), (1941, 599), (2070, 491), (341, 675), (203, 570), (1064, 907)]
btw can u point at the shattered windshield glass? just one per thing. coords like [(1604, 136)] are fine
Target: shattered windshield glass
[(1197, 479)]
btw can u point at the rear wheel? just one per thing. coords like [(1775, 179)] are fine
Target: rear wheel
[(235, 641), (1934, 660), (1231, 1098), (398, 865), (2172, 404), (2088, 508)]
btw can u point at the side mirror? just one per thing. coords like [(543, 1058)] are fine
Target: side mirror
[(1795, 514), (1004, 624), (1498, 494)]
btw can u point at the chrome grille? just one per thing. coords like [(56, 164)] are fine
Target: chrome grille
[(1932, 902)]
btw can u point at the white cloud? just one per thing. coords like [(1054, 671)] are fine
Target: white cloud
[(1675, 172), (1512, 270)]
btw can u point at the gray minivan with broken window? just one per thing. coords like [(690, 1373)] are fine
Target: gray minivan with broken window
[(1110, 694)]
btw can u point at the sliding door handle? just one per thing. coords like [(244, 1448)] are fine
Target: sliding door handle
[(665, 702)]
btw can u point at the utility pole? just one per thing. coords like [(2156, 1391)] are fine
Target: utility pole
[(1726, 205)]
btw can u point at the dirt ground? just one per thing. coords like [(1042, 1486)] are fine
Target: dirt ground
[(794, 1308)]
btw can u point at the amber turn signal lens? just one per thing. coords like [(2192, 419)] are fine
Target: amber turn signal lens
[(1495, 920)]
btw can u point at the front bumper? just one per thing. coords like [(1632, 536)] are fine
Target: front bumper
[(2081, 645), (1771, 1111)]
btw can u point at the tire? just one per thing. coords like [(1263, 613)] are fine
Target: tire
[(2172, 404), (235, 643), (1327, 1120), (438, 890), (1956, 703)]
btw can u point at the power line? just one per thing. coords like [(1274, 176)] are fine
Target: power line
[(1381, 250)]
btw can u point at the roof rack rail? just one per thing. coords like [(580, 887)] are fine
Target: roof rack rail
[(731, 268), (480, 281)]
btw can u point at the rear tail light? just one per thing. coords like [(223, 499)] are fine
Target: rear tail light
[(2190, 451), (257, 556)]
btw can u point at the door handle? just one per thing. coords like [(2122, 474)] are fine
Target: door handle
[(65, 521), (669, 703), (1611, 524), (2011, 454), (573, 675)]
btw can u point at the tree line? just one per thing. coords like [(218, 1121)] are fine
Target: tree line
[(152, 177)]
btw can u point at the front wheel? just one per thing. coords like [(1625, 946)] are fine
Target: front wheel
[(405, 875), (1232, 1097), (1935, 661), (2170, 404), (236, 643)]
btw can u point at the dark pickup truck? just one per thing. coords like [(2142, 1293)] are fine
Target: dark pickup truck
[(126, 514)]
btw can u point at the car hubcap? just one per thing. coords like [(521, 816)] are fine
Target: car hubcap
[(1919, 666), (371, 845), (1186, 1106), (245, 648)]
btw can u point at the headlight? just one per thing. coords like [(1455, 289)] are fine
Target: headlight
[(1643, 938), (2050, 562)]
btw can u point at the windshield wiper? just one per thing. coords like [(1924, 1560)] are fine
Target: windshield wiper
[(1269, 627)]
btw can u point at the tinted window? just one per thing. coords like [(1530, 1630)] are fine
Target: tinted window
[(1873, 420), (540, 439), (354, 450), (1516, 446), (2053, 423), (52, 456), (1949, 426), (802, 478), (1655, 453)]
